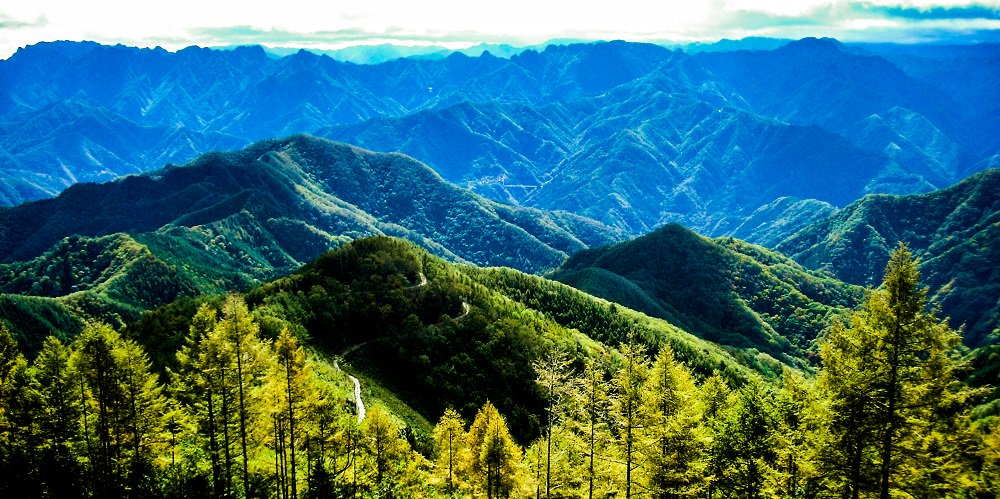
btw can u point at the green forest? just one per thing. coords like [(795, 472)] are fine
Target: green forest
[(537, 391)]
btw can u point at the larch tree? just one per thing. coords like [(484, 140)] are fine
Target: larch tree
[(19, 406), (386, 449), (628, 382), (59, 419), (715, 396), (93, 357), (293, 376), (801, 436), (849, 371), (891, 372), (449, 444), (674, 444), (494, 454), (196, 385), (746, 443), (128, 408), (593, 408), (252, 357), (554, 379), (145, 409)]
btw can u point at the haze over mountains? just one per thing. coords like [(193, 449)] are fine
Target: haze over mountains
[(631, 135)]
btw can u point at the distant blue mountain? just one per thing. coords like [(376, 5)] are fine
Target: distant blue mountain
[(634, 135)]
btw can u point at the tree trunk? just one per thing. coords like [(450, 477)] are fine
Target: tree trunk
[(213, 447), (291, 424), (243, 411), (225, 435), (888, 436)]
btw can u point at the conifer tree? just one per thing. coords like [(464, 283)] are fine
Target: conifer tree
[(19, 406), (592, 415), (746, 443), (554, 381), (449, 444), (849, 372), (58, 419), (890, 376), (674, 442), (801, 436), (494, 455), (127, 404), (196, 385), (295, 374), (252, 359), (386, 448), (715, 395), (628, 413)]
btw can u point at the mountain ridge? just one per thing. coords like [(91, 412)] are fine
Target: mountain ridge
[(954, 232), (333, 188), (722, 289)]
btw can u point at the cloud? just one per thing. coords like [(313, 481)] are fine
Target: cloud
[(338, 23), (10, 22), (238, 35), (933, 13)]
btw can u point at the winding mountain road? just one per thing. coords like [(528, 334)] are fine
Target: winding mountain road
[(359, 403), (357, 398), (423, 282), (465, 311)]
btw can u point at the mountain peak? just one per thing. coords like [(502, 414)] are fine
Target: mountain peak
[(815, 45)]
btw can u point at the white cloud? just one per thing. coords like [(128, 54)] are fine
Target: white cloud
[(182, 22)]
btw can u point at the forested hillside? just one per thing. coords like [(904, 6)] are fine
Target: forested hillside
[(246, 396), (288, 199), (723, 290), (953, 231)]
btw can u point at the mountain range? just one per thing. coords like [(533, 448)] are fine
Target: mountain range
[(632, 135), (534, 230), (556, 151), (955, 232), (233, 220), (227, 221)]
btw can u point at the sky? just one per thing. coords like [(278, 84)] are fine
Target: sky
[(332, 24)]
